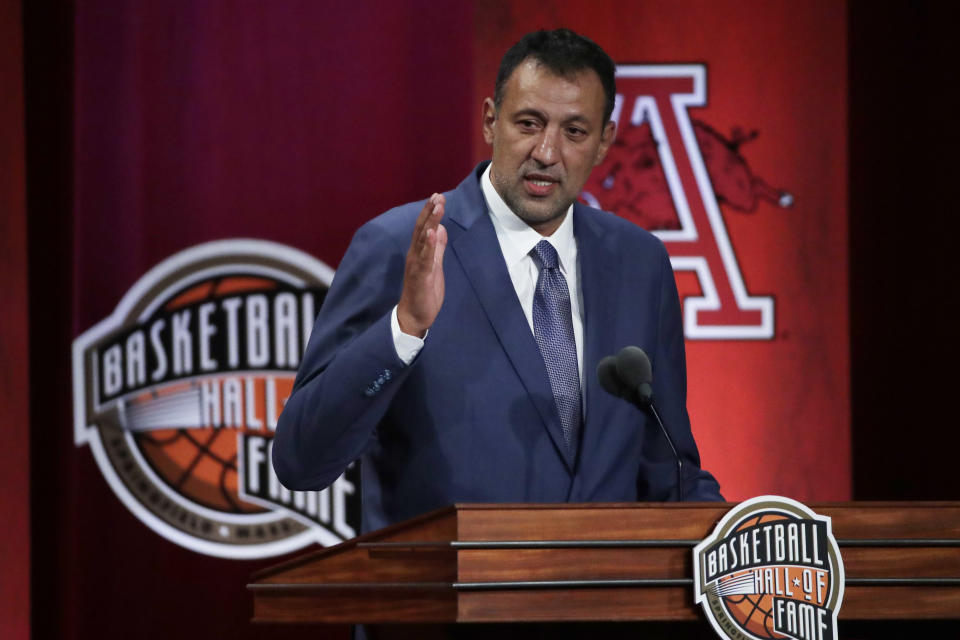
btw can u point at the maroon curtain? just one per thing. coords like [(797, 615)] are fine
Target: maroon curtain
[(14, 458)]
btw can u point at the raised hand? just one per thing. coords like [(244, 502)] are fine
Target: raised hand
[(422, 293)]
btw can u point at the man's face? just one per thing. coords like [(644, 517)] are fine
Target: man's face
[(547, 137)]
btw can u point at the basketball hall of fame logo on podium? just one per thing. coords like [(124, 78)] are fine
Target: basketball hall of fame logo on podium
[(770, 569), (178, 393)]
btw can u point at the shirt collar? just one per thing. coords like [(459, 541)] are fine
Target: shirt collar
[(517, 238)]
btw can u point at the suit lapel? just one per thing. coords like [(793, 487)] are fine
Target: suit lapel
[(598, 283), (476, 247)]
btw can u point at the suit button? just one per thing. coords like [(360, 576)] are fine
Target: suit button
[(386, 374), (370, 392)]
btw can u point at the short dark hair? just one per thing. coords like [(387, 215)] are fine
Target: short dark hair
[(564, 53)]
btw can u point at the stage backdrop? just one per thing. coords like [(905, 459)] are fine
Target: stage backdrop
[(295, 122)]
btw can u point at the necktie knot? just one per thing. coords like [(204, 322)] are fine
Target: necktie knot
[(546, 255)]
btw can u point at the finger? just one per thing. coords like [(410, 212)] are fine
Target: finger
[(422, 218), (435, 213), (417, 237), (431, 227), (439, 246), (426, 249)]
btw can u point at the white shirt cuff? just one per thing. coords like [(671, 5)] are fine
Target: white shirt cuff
[(407, 346)]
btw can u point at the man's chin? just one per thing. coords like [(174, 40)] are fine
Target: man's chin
[(538, 217), (536, 212)]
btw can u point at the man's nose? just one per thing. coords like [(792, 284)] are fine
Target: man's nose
[(547, 149)]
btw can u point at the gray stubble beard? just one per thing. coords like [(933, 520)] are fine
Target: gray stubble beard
[(533, 220)]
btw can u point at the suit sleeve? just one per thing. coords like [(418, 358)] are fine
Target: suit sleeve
[(350, 370), (670, 394)]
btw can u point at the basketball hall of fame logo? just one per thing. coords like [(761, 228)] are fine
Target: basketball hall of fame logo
[(770, 569), (178, 393)]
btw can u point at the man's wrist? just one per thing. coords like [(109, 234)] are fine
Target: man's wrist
[(406, 345), (408, 326)]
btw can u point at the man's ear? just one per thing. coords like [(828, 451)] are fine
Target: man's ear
[(606, 139), (489, 118)]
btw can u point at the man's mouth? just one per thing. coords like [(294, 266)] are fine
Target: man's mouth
[(539, 185)]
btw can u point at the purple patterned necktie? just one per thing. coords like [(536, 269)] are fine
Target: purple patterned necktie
[(553, 330)]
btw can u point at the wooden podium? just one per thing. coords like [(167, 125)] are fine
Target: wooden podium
[(595, 562)]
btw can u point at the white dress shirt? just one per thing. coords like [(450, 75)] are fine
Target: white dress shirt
[(517, 239)]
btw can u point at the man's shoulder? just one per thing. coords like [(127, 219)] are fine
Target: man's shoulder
[(394, 226), (619, 231), (399, 221), (396, 219)]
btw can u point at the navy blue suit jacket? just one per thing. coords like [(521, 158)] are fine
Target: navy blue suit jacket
[(472, 418)]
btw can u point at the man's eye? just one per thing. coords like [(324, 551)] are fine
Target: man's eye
[(576, 132), (528, 124)]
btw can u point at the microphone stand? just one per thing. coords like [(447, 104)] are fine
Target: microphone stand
[(676, 456)]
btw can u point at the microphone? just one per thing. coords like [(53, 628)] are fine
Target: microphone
[(633, 367), (628, 375), (610, 379)]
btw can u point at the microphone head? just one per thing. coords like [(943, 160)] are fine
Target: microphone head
[(645, 394), (609, 378), (636, 373)]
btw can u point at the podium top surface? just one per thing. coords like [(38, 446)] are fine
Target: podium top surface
[(689, 522)]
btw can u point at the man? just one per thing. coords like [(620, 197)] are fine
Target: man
[(455, 353)]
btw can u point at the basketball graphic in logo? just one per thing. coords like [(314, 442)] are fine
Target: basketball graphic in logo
[(771, 569), (752, 611), (178, 394)]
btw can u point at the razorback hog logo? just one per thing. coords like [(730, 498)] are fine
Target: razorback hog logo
[(770, 569), (669, 174), (178, 392)]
